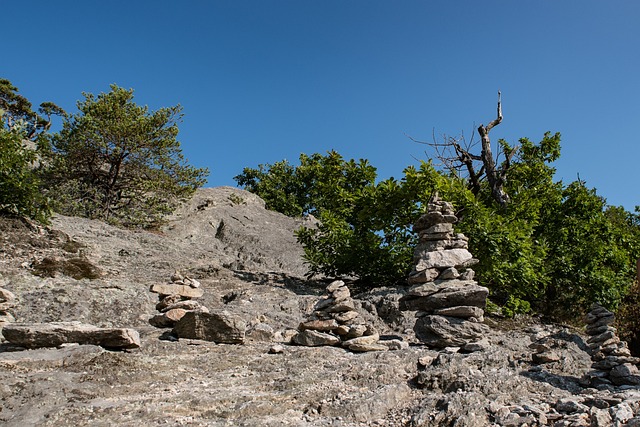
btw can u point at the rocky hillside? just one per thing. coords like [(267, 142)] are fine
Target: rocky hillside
[(247, 264)]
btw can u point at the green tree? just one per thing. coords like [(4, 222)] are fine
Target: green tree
[(320, 182), (592, 249), (19, 183), (553, 248), (119, 162), (16, 111)]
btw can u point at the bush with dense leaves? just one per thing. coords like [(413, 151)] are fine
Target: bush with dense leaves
[(19, 183), (22, 137), (115, 160), (554, 248)]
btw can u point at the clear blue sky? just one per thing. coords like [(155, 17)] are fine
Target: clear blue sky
[(261, 81)]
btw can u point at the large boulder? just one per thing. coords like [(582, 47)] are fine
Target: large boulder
[(443, 294), (444, 331), (217, 326), (54, 334), (235, 223)]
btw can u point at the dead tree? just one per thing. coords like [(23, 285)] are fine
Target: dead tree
[(455, 155)]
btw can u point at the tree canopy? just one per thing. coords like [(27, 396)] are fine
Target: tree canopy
[(554, 247), (118, 161), (22, 136)]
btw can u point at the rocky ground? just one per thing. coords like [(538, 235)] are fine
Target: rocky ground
[(248, 263)]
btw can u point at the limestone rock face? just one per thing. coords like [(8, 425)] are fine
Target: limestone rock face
[(54, 334), (245, 236), (267, 382), (216, 326)]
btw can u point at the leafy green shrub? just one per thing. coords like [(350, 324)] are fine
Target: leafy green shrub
[(22, 139), (19, 183), (351, 239), (628, 319)]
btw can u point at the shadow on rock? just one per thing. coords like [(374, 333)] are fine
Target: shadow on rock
[(564, 382), (297, 285)]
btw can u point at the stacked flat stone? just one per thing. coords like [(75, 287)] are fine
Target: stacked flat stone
[(449, 303), (176, 299), (612, 360), (7, 302), (335, 321)]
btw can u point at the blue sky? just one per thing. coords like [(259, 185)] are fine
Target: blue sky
[(261, 81)]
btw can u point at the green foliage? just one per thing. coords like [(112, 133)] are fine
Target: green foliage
[(117, 161), (351, 239), (554, 248), (628, 319), (515, 305), (236, 200), (318, 183), (591, 250), (22, 138), (19, 184), (16, 112), (277, 184)]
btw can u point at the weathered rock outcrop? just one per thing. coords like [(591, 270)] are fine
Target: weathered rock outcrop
[(235, 223)]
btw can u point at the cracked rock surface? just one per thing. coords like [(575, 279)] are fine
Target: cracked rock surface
[(521, 372)]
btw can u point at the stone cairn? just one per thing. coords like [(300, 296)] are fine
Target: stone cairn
[(7, 302), (335, 321), (176, 299), (449, 303), (612, 360)]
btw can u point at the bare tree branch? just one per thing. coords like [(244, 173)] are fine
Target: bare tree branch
[(456, 156), (494, 177)]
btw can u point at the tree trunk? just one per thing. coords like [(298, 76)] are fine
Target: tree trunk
[(494, 177)]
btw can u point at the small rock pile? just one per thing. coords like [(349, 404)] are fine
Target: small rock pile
[(335, 321), (612, 360), (449, 303), (176, 299), (7, 302)]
